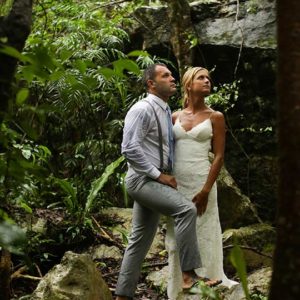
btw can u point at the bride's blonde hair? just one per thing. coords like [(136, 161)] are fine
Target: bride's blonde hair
[(186, 81)]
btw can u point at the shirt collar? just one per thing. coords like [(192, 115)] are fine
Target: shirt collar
[(163, 104)]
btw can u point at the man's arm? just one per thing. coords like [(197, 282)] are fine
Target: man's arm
[(136, 127)]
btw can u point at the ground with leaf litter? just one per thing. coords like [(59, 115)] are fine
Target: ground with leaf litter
[(46, 250)]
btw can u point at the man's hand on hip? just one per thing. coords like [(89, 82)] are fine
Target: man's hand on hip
[(167, 180)]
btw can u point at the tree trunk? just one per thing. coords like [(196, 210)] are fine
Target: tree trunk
[(179, 13), (15, 28), (5, 270), (286, 273)]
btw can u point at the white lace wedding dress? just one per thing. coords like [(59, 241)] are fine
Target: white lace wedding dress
[(191, 167)]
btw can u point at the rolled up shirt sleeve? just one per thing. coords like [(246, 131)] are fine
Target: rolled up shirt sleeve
[(136, 126)]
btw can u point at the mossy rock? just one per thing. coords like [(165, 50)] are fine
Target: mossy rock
[(257, 242)]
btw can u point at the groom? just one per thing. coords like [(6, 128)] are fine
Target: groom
[(148, 147)]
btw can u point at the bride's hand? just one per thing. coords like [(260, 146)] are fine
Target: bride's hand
[(200, 201)]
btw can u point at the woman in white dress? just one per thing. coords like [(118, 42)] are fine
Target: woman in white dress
[(198, 130)]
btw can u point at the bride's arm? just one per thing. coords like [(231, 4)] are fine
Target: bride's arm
[(218, 146)]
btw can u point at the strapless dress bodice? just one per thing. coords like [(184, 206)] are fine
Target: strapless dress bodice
[(192, 147)]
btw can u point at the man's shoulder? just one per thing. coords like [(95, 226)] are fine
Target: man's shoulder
[(141, 105), (140, 109)]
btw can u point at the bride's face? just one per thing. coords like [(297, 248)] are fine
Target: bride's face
[(201, 83)]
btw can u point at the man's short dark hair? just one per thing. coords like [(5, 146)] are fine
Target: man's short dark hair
[(149, 73)]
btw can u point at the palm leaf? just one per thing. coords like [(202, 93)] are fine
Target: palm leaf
[(98, 184)]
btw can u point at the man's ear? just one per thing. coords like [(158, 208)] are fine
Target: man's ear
[(152, 82)]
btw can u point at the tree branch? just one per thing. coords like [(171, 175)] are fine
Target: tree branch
[(249, 248)]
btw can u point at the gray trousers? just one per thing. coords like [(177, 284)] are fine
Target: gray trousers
[(150, 200)]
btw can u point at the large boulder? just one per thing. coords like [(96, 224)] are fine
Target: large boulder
[(258, 283), (256, 241), (235, 208), (100, 252), (75, 278), (237, 22), (219, 23)]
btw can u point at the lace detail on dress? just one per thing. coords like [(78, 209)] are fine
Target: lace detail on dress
[(191, 167)]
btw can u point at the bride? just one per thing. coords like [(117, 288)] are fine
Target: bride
[(198, 130)]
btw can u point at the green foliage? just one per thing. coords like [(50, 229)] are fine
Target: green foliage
[(206, 292), (250, 127), (193, 40), (238, 261), (5, 6), (60, 139), (224, 96), (70, 200), (98, 184), (75, 86), (12, 238), (252, 6), (63, 127), (258, 296), (21, 160)]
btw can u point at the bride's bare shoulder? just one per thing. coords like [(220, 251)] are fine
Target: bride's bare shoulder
[(175, 115)]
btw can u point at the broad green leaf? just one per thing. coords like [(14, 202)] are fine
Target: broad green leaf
[(107, 73), (45, 150), (8, 50), (21, 203), (65, 54), (98, 184), (138, 53), (81, 66), (56, 75), (67, 187), (4, 217), (126, 64), (69, 203), (29, 129), (44, 59), (26, 153), (238, 261), (71, 79), (22, 95), (27, 73)]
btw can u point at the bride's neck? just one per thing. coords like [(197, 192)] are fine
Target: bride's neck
[(196, 105)]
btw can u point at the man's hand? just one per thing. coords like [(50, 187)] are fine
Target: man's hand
[(167, 180), (200, 201)]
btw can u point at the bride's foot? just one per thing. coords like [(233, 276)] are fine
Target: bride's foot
[(190, 279), (208, 282)]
